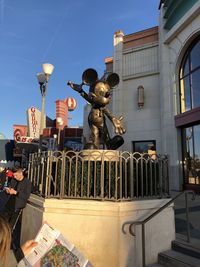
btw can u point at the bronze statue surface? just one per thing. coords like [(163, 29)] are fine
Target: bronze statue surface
[(99, 97)]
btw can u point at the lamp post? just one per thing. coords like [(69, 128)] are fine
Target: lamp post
[(60, 123), (43, 79), (54, 141)]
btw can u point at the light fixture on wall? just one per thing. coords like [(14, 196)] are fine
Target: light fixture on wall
[(140, 91)]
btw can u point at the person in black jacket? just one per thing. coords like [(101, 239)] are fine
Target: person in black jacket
[(19, 191), (4, 181)]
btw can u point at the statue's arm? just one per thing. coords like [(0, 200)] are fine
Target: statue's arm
[(117, 122), (108, 113), (79, 89), (75, 87)]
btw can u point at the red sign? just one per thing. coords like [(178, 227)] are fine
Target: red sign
[(25, 139), (19, 131)]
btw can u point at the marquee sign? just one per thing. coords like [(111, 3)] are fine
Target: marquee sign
[(19, 131), (33, 122), (24, 139)]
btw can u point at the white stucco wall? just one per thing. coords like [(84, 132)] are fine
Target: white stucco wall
[(141, 124), (137, 66)]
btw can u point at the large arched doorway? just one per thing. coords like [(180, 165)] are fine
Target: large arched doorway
[(189, 118)]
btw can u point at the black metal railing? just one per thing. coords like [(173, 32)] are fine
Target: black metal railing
[(142, 223), (105, 175)]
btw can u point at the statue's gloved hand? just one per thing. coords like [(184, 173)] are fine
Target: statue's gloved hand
[(119, 129), (76, 87)]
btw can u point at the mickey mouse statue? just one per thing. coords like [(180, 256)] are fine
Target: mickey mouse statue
[(99, 96)]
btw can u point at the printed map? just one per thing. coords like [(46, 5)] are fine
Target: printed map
[(59, 256)]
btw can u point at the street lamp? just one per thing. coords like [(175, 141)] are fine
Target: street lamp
[(60, 123), (54, 141), (43, 79)]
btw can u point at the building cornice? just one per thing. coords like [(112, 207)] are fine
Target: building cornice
[(141, 47), (183, 23), (139, 75)]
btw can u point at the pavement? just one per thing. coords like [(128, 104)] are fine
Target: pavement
[(180, 215)]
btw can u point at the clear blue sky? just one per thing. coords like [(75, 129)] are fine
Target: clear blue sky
[(71, 34)]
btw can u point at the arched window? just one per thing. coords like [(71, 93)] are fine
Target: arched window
[(189, 122), (189, 77)]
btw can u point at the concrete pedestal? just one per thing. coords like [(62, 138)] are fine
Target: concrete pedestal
[(100, 155), (95, 227)]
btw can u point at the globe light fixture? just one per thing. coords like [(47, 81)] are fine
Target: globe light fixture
[(48, 70), (43, 79)]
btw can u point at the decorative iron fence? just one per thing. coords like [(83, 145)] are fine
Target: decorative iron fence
[(96, 174)]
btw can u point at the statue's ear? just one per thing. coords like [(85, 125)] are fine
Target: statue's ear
[(113, 79), (89, 76)]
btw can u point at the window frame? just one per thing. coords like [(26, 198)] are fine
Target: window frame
[(143, 141), (187, 60)]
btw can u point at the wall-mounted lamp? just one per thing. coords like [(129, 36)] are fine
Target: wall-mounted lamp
[(140, 90)]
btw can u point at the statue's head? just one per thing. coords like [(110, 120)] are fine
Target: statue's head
[(100, 89)]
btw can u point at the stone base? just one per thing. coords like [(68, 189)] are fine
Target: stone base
[(95, 227), (100, 155)]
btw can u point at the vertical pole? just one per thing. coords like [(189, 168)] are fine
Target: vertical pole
[(131, 176), (187, 217), (59, 137), (47, 175), (63, 174), (143, 246), (43, 91)]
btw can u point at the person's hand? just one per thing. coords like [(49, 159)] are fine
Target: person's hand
[(28, 246), (11, 191)]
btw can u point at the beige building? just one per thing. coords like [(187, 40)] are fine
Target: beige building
[(159, 92)]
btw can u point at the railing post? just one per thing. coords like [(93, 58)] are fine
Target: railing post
[(29, 166), (50, 172), (187, 217), (167, 172), (142, 176), (47, 174), (102, 177), (143, 246), (62, 191), (131, 176), (40, 172), (160, 173)]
